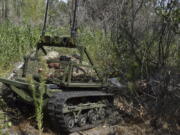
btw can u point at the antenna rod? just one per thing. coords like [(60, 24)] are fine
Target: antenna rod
[(45, 19), (74, 25)]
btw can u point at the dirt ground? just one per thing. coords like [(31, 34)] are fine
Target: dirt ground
[(131, 128)]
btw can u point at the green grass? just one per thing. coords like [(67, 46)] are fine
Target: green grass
[(15, 41), (38, 94)]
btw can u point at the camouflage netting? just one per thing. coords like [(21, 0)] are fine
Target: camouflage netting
[(55, 66), (58, 41)]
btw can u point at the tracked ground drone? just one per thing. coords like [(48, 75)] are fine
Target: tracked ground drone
[(76, 95)]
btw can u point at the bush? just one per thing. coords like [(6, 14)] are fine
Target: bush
[(15, 41)]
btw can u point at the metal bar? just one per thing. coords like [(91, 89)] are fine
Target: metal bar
[(45, 19), (74, 23), (25, 66), (92, 63), (70, 74), (65, 75), (85, 85), (83, 107)]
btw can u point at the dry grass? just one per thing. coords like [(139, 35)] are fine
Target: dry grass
[(26, 127)]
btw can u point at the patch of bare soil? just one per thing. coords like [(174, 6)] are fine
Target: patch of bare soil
[(129, 127), (143, 128), (27, 128)]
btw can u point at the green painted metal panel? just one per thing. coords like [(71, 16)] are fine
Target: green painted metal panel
[(85, 85), (82, 107), (22, 94), (14, 83)]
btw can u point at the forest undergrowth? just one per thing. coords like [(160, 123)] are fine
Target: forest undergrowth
[(156, 98), (15, 42), (152, 105)]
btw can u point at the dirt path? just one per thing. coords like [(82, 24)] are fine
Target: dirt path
[(102, 130)]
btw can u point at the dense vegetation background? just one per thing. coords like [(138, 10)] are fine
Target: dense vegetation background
[(134, 40), (131, 38)]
